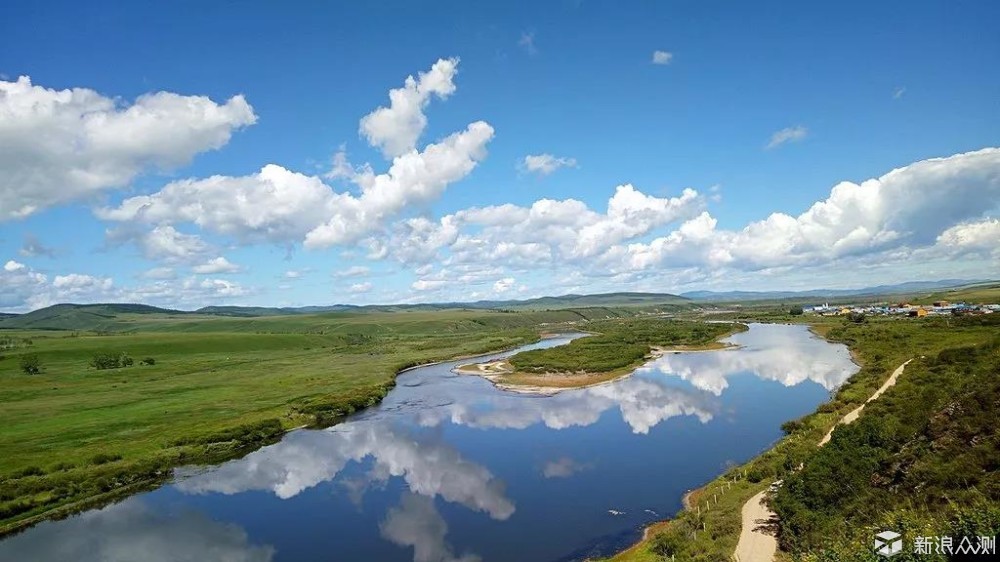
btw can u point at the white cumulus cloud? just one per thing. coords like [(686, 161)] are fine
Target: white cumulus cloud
[(396, 129), (216, 266), (66, 145)]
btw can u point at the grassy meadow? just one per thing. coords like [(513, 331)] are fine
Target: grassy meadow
[(218, 387)]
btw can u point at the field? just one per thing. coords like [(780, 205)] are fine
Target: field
[(710, 529), (218, 387)]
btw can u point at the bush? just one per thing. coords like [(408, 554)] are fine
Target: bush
[(109, 360), (30, 364), (148, 361), (795, 311)]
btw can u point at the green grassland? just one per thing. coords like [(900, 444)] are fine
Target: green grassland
[(220, 386), (885, 460)]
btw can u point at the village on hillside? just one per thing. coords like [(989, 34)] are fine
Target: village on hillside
[(937, 308)]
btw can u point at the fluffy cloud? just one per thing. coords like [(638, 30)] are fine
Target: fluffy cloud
[(163, 243), (503, 285), (66, 145), (662, 57), (23, 288), (281, 206), (981, 235), (788, 134), (216, 266), (396, 129), (566, 230), (939, 200), (545, 164), (190, 292)]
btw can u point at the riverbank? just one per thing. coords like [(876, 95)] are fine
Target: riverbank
[(711, 526), (137, 476)]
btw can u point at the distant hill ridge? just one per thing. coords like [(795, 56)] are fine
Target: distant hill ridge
[(109, 316), (118, 316), (910, 286)]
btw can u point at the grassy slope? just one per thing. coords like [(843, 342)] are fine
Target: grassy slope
[(878, 346), (212, 376)]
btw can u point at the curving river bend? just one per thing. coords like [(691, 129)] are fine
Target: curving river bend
[(448, 468)]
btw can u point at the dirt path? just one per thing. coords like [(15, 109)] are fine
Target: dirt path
[(853, 414), (756, 544)]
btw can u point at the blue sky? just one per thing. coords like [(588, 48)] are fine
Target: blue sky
[(758, 108)]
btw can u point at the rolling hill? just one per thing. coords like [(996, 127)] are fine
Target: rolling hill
[(79, 316), (125, 317)]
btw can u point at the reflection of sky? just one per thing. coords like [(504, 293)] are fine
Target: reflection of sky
[(770, 352), (130, 531), (303, 459), (411, 439)]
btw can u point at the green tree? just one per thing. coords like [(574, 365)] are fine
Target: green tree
[(30, 364)]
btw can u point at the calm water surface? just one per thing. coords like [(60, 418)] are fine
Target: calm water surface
[(449, 469)]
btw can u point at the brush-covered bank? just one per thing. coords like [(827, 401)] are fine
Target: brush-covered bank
[(911, 442)]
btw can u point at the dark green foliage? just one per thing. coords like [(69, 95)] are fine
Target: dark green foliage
[(930, 444), (618, 344), (31, 364), (148, 361), (110, 360), (857, 317), (667, 544), (795, 311), (247, 435)]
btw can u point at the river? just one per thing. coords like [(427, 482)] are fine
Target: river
[(450, 469)]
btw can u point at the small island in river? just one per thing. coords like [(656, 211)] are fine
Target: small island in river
[(610, 350)]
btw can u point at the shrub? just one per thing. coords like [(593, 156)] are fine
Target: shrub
[(148, 361), (795, 311), (30, 364), (109, 360)]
